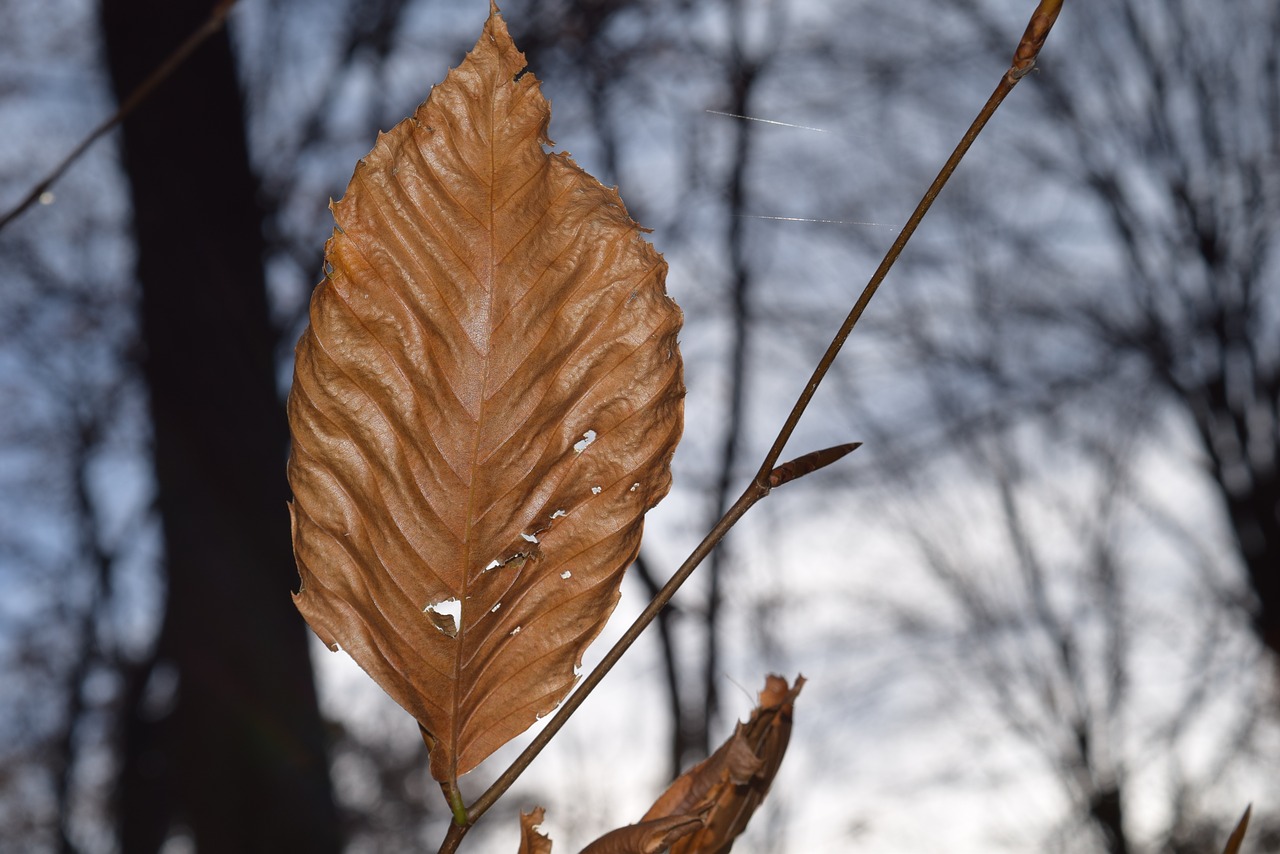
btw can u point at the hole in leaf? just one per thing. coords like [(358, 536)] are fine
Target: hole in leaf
[(558, 514), (566, 574), (583, 443), (445, 616), (634, 487), (530, 538), (493, 564), (515, 631), (595, 490), (495, 608)]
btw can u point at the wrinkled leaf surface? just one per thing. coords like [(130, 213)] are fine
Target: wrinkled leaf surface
[(484, 405), (708, 806), (647, 837)]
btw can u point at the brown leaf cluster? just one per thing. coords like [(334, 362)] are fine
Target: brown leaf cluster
[(484, 406), (708, 806)]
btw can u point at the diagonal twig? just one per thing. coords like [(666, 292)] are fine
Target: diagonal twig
[(1024, 59), (217, 17)]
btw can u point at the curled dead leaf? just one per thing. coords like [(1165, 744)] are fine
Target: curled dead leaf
[(711, 803), (484, 406), (531, 841), (733, 787), (735, 763), (647, 837)]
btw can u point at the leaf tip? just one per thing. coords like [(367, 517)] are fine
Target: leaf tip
[(1237, 836), (809, 463), (1042, 20)]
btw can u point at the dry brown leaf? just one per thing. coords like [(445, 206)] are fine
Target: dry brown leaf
[(484, 406), (531, 841), (734, 763), (726, 782), (647, 837), (712, 802)]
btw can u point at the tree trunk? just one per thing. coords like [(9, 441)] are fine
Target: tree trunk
[(238, 757)]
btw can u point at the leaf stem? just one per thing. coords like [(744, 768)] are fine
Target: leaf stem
[(759, 487), (456, 805)]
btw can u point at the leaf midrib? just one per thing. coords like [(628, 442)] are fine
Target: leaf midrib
[(477, 431)]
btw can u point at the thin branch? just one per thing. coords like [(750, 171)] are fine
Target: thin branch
[(758, 488), (217, 17), (1022, 64), (561, 717)]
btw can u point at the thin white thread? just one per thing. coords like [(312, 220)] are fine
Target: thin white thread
[(766, 121), (829, 221), (891, 228)]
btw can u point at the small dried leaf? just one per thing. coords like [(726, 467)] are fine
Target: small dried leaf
[(734, 763), (647, 837), (713, 801), (531, 841), (485, 404), (1237, 836), (733, 799)]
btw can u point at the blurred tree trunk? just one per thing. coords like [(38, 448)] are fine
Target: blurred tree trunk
[(237, 754)]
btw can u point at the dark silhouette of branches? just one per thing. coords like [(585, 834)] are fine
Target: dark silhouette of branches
[(1202, 309), (61, 432), (1066, 354), (1182, 161)]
